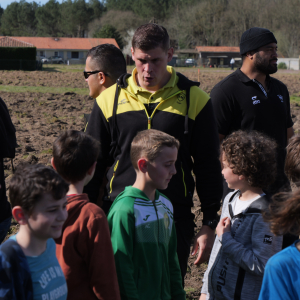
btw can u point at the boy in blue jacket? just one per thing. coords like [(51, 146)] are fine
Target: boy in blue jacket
[(28, 265)]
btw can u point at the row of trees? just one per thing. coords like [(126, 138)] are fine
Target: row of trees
[(70, 18), (189, 22)]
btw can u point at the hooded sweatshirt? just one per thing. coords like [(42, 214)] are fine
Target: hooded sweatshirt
[(85, 253), (165, 110), (238, 258), (144, 243)]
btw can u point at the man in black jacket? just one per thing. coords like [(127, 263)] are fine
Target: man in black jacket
[(7, 149), (249, 99), (156, 97)]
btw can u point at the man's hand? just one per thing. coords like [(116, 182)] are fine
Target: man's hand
[(223, 226), (204, 240)]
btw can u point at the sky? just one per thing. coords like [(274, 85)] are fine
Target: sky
[(4, 3)]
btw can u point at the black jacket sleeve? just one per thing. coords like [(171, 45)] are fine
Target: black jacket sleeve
[(98, 127), (205, 150)]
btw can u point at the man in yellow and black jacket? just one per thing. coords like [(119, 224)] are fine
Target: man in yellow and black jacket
[(156, 97)]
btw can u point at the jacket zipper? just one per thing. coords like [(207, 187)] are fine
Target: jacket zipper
[(150, 117), (157, 219), (114, 174), (155, 109), (183, 180)]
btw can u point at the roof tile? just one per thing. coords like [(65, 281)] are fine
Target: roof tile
[(62, 43), (217, 49)]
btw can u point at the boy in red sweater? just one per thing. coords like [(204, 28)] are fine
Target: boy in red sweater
[(84, 250)]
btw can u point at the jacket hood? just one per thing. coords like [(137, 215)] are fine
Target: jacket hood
[(257, 207), (76, 203)]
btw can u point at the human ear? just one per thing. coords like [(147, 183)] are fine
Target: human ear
[(91, 170), (132, 53), (241, 177), (52, 163), (19, 215), (102, 78), (142, 165), (170, 54)]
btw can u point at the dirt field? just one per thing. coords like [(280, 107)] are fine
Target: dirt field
[(39, 117)]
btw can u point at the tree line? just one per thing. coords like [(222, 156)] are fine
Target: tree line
[(189, 22)]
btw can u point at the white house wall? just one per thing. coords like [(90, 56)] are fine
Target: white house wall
[(66, 55), (291, 63)]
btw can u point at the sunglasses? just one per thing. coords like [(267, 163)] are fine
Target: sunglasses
[(87, 74)]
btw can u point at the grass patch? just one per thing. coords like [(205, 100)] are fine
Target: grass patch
[(295, 99), (43, 89), (63, 68), (47, 151), (189, 289)]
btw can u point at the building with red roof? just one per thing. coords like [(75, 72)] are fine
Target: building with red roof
[(73, 50)]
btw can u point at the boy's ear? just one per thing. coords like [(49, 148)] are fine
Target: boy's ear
[(92, 168), (142, 165), (52, 163), (19, 215)]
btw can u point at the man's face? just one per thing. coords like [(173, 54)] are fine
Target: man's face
[(93, 80), (47, 218), (151, 67), (265, 60)]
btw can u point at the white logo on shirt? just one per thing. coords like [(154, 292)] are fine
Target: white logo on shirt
[(255, 100), (280, 97)]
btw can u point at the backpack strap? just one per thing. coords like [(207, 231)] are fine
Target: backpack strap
[(121, 83), (185, 84)]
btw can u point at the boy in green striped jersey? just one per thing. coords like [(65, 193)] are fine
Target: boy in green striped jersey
[(141, 223)]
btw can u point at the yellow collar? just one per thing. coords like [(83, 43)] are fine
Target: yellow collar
[(135, 88)]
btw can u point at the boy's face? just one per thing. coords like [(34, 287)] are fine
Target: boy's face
[(48, 217), (232, 179), (161, 170)]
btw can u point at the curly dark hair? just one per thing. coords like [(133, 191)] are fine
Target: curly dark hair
[(292, 161), (251, 154)]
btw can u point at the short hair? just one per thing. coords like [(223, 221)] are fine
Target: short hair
[(31, 182), (292, 161), (150, 36), (109, 59), (74, 152), (149, 143), (251, 154)]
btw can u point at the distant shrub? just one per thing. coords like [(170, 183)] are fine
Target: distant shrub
[(282, 65)]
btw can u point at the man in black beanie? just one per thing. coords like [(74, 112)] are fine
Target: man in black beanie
[(249, 99)]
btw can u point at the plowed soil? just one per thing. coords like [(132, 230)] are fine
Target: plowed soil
[(40, 117)]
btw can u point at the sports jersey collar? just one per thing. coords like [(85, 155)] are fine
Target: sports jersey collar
[(244, 78), (136, 89), (134, 192)]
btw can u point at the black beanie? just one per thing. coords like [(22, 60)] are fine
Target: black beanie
[(255, 38)]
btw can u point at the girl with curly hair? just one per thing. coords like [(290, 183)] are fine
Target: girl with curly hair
[(282, 272), (244, 242)]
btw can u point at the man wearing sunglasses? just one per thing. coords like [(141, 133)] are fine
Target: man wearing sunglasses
[(104, 65)]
